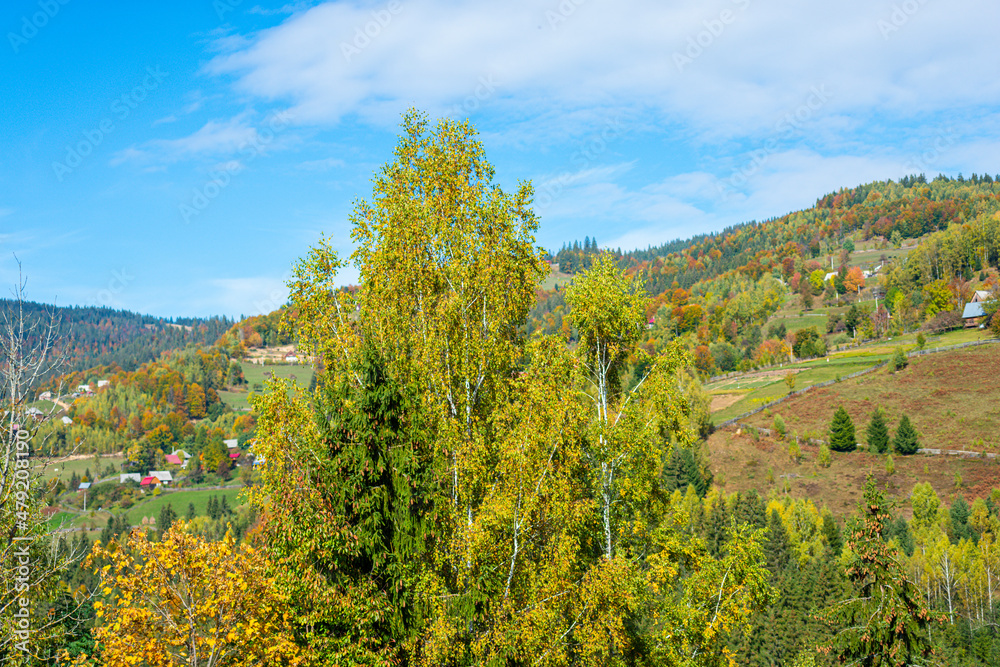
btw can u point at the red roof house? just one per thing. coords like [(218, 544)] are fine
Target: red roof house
[(173, 459), (149, 482)]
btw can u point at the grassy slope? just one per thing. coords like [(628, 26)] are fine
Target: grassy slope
[(180, 500), (952, 398), (755, 390), (255, 373), (64, 470)]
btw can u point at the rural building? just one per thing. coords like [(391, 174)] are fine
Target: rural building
[(129, 477), (45, 396), (173, 459), (103, 383), (67, 420), (83, 388), (973, 314), (292, 358), (980, 296), (163, 476), (231, 443), (83, 486), (149, 482)]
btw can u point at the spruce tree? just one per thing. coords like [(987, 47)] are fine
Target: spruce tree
[(165, 519), (831, 531), (842, 437), (378, 479), (878, 433), (191, 514), (777, 548), (905, 441), (885, 621)]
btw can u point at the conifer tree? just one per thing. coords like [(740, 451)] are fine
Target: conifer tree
[(842, 437), (776, 544), (831, 531), (905, 441), (885, 621), (166, 519), (191, 514), (878, 433)]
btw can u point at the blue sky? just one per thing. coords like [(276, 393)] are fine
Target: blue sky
[(177, 158)]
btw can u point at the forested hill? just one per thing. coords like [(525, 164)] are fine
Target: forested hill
[(929, 244), (906, 209), (96, 336)]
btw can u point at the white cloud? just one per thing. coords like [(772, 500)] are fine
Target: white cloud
[(216, 138), (759, 63)]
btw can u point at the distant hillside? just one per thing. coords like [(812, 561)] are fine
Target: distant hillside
[(92, 336), (920, 246), (951, 398)]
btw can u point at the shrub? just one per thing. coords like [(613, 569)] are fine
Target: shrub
[(842, 436), (905, 441), (779, 426), (890, 467), (921, 341), (899, 360), (824, 458)]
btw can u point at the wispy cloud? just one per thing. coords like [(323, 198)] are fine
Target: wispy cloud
[(746, 71)]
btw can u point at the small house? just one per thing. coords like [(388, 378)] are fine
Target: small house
[(149, 482), (45, 396), (291, 358), (163, 476), (83, 389), (973, 314), (231, 443), (103, 383), (66, 420), (173, 459), (980, 296), (83, 486), (129, 477)]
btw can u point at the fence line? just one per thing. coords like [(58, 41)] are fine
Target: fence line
[(865, 371)]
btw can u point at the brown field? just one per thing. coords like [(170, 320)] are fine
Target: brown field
[(741, 463), (952, 398)]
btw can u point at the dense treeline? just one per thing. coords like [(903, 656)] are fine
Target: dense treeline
[(91, 336)]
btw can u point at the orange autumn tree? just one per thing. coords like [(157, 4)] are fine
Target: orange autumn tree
[(185, 601)]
